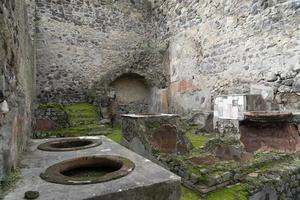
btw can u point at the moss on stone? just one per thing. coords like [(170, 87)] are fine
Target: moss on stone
[(281, 197), (197, 140), (81, 120), (188, 194), (9, 181), (82, 110), (115, 135), (213, 143), (236, 192), (74, 131), (92, 92), (84, 121)]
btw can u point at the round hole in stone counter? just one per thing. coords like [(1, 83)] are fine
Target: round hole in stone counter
[(88, 170), (69, 144)]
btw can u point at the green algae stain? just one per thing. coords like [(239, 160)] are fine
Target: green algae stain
[(197, 140), (188, 194), (9, 182), (82, 108), (82, 111), (115, 135), (74, 131), (236, 192), (83, 118)]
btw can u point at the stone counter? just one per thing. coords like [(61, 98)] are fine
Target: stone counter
[(148, 132), (147, 181)]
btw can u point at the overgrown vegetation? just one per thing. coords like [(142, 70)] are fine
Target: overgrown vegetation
[(188, 194), (197, 140), (9, 182), (83, 119), (115, 134), (236, 192)]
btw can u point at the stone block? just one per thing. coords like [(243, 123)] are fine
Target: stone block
[(147, 181), (269, 131), (204, 119), (155, 132)]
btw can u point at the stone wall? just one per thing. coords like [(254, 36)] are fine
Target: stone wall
[(223, 47), (204, 48), (80, 43), (50, 117), (17, 81)]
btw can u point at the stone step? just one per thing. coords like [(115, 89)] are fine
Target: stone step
[(84, 122), (83, 115)]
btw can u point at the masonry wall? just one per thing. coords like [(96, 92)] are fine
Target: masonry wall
[(17, 81), (205, 48), (80, 43), (226, 47)]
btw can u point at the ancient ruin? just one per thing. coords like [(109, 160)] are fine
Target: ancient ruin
[(150, 99)]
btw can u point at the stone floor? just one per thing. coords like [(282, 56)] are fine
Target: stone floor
[(146, 181)]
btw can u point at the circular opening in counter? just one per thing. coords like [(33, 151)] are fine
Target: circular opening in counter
[(88, 170), (70, 144)]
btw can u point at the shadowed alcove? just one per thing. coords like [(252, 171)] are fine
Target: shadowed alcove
[(132, 92)]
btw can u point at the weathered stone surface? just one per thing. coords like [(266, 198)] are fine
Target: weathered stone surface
[(221, 47), (45, 125), (17, 81), (155, 133), (166, 139), (269, 131), (147, 181), (192, 44), (82, 43), (265, 193), (230, 152), (296, 86), (202, 160), (49, 118), (202, 119), (271, 117)]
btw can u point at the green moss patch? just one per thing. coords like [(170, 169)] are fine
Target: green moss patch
[(82, 113), (74, 131), (115, 135), (82, 117), (197, 140), (188, 194), (9, 182), (82, 109), (236, 192)]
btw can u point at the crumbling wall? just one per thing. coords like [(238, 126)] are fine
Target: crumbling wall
[(17, 81), (224, 47), (81, 43)]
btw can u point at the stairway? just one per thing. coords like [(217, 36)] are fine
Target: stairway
[(83, 121)]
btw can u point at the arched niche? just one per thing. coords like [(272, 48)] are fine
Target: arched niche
[(131, 88)]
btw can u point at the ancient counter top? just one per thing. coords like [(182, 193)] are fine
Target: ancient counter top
[(147, 181)]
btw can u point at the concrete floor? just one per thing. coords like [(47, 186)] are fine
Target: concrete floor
[(148, 181)]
